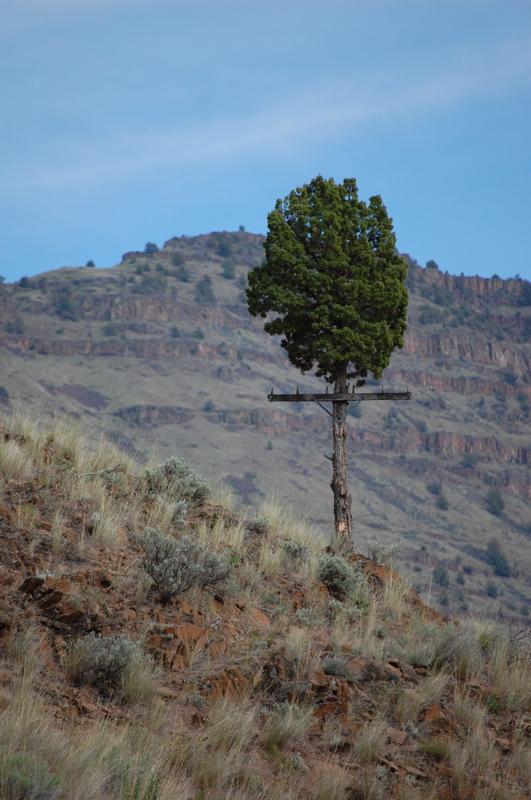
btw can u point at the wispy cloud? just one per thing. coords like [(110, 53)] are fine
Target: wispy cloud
[(307, 115)]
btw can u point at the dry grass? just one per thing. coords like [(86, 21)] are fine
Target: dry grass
[(15, 463), (370, 742), (286, 523), (299, 647), (285, 724)]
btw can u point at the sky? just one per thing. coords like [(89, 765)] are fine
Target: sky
[(131, 121)]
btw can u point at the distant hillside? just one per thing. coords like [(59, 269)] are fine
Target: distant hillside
[(160, 353)]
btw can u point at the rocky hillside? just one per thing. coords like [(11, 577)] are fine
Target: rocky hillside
[(161, 355), (156, 644)]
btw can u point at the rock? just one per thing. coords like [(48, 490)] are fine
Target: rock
[(418, 773), (319, 678), (260, 618), (397, 736), (218, 648), (355, 666), (434, 712), (31, 584)]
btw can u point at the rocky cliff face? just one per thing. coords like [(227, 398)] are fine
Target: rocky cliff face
[(161, 353)]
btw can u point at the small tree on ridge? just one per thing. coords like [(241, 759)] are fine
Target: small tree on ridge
[(336, 283)]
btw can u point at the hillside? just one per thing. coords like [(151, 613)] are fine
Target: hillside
[(160, 353), (266, 666)]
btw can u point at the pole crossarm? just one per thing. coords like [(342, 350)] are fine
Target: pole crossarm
[(344, 397)]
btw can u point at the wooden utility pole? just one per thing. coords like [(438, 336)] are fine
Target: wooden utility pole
[(340, 399)]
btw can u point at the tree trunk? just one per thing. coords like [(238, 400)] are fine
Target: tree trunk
[(342, 498)]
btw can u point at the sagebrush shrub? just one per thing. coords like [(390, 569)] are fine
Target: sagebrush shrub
[(178, 564), (106, 662), (296, 550), (177, 480), (340, 579), (380, 552)]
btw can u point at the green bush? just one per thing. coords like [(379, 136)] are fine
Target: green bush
[(23, 776), (176, 480), (495, 502), (497, 559), (203, 290), (178, 564), (15, 325), (110, 329), (442, 502), (182, 273), (440, 576), (228, 270), (151, 248), (140, 787), (340, 579)]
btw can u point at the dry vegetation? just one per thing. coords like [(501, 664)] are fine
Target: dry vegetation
[(272, 666)]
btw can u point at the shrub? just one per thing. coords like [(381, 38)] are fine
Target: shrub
[(228, 270), (64, 306), (15, 325), (110, 329), (24, 282), (440, 576), (380, 552), (469, 460), (182, 273), (175, 332), (495, 502), (339, 578), (111, 663), (296, 550), (337, 666), (224, 249), (442, 502), (497, 559), (151, 248), (176, 480), (23, 776), (178, 564), (140, 787), (203, 290), (198, 334), (491, 589)]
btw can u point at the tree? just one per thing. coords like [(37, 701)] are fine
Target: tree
[(497, 559), (495, 501), (333, 277)]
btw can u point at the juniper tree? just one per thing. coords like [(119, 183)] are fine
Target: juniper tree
[(334, 280)]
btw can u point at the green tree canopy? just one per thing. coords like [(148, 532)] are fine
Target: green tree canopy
[(333, 276)]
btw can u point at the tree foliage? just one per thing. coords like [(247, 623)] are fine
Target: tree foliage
[(333, 276)]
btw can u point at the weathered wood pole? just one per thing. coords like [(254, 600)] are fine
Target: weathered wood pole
[(339, 484)]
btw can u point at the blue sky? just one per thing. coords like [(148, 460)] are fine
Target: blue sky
[(127, 121)]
